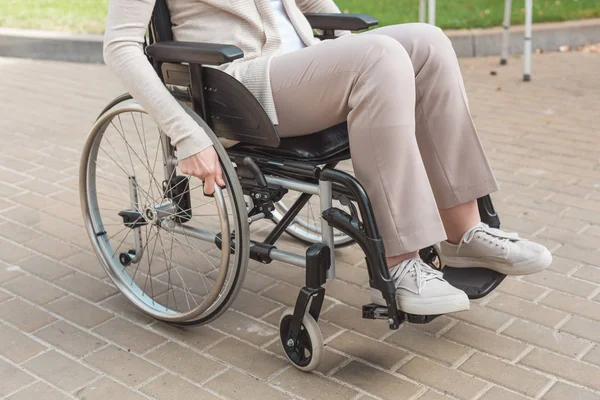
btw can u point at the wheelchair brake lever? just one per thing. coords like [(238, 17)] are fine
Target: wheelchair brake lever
[(346, 202)]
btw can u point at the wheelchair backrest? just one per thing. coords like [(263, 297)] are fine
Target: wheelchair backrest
[(227, 106), (160, 24)]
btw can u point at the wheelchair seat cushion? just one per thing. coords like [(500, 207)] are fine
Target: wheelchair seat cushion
[(326, 146)]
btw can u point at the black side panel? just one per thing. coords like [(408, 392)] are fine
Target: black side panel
[(234, 112)]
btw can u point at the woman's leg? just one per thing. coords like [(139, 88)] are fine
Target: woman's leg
[(456, 165), (459, 219), (369, 81)]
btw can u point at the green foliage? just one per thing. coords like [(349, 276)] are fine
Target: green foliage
[(89, 15)]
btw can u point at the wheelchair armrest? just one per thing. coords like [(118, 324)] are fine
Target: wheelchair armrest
[(347, 22), (193, 53)]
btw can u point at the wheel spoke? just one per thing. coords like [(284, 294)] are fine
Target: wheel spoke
[(144, 250), (146, 164), (185, 288)]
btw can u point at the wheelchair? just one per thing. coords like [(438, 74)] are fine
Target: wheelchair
[(181, 256)]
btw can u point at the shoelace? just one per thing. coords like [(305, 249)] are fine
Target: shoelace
[(491, 235), (416, 268)]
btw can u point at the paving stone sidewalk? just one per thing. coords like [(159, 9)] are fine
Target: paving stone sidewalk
[(66, 333)]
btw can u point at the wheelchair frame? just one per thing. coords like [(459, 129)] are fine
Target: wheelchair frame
[(266, 179)]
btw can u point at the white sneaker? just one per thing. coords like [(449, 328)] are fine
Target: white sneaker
[(422, 290), (482, 246)]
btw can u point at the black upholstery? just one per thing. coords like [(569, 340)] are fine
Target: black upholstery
[(322, 147), (349, 22), (193, 53)]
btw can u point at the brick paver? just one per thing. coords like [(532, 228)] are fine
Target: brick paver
[(66, 333)]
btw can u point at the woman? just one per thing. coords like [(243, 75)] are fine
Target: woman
[(413, 143)]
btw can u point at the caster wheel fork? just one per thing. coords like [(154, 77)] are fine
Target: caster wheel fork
[(300, 335)]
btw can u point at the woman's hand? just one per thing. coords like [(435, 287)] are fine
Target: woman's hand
[(205, 166)]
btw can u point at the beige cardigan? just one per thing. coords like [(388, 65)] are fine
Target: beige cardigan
[(251, 25)]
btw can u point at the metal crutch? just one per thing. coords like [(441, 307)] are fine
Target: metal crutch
[(423, 8), (431, 10), (528, 45), (506, 33)]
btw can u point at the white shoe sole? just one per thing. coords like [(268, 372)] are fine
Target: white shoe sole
[(523, 268), (427, 306)]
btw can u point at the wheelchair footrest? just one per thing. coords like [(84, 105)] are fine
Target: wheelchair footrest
[(375, 311), (475, 282)]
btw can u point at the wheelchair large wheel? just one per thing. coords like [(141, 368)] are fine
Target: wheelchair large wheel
[(177, 254)]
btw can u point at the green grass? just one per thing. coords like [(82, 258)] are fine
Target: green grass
[(88, 15), (457, 14), (80, 16)]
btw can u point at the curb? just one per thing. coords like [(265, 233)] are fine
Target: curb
[(60, 46), (47, 45), (547, 36)]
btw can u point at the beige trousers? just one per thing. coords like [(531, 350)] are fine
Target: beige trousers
[(413, 143)]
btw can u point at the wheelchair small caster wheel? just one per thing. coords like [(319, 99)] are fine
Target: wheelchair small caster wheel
[(126, 258), (307, 352)]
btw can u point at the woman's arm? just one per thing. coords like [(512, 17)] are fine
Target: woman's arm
[(317, 6), (125, 30)]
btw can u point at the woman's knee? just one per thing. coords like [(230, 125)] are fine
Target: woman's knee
[(428, 46), (439, 47), (432, 35), (383, 52), (415, 36)]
